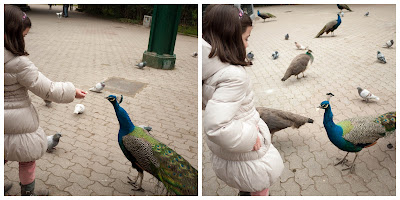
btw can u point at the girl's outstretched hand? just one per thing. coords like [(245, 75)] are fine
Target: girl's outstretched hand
[(257, 146), (80, 94)]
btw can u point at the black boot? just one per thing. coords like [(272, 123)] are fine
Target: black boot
[(29, 190), (241, 193), (7, 186)]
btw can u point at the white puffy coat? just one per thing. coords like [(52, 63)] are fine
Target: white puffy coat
[(24, 139), (230, 122)]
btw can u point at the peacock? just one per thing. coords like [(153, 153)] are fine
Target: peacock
[(277, 120), (354, 134), (344, 6), (330, 26), (265, 15), (298, 65), (148, 154)]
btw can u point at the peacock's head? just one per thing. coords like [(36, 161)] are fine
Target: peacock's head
[(114, 100), (324, 105)]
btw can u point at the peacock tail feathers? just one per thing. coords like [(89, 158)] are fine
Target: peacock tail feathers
[(321, 32), (387, 120), (170, 168)]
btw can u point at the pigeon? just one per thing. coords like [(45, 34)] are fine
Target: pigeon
[(147, 128), (328, 96), (98, 87), (287, 36), (366, 14), (250, 56), (366, 95), (142, 65), (342, 13), (48, 103), (79, 108), (275, 55), (59, 14), (300, 47), (52, 141), (381, 57), (194, 54), (389, 43)]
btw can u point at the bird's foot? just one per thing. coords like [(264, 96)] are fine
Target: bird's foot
[(135, 186), (351, 168), (342, 161)]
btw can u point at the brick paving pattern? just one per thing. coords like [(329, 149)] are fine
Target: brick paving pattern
[(85, 50), (342, 63)]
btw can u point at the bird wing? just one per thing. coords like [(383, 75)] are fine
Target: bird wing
[(299, 64), (329, 26), (365, 93), (363, 130), (49, 141)]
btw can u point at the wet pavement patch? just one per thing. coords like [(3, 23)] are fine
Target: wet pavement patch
[(123, 86)]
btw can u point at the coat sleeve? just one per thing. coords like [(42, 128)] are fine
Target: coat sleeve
[(29, 76), (220, 125)]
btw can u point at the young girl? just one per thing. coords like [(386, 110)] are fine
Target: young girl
[(24, 140), (240, 142)]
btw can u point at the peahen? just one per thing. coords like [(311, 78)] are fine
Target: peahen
[(330, 26), (344, 6), (148, 154), (277, 120), (354, 134), (265, 15), (298, 65)]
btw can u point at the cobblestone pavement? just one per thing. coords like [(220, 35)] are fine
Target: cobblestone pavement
[(342, 63), (86, 50)]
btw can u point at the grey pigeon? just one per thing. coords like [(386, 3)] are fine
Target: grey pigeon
[(287, 36), (250, 56), (98, 87), (194, 54), (366, 14), (142, 65), (389, 43), (48, 103), (147, 128), (275, 55), (52, 141), (59, 15), (381, 57), (366, 95), (328, 96)]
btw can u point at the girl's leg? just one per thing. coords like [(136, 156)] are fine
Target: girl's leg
[(27, 172), (264, 192)]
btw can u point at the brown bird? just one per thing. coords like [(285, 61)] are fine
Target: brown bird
[(279, 119), (298, 65)]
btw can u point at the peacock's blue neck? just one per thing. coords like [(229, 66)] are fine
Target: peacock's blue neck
[(339, 20), (125, 124), (334, 131)]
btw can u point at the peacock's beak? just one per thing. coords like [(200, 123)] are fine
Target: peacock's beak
[(318, 108)]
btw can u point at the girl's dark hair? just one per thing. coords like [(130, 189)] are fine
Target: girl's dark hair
[(222, 29), (14, 27), (246, 22)]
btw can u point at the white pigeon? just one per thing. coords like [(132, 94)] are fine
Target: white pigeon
[(342, 13), (366, 95), (300, 47), (79, 108), (59, 14), (194, 54), (98, 87), (389, 43), (52, 141)]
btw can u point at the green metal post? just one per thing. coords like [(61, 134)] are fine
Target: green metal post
[(164, 28)]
